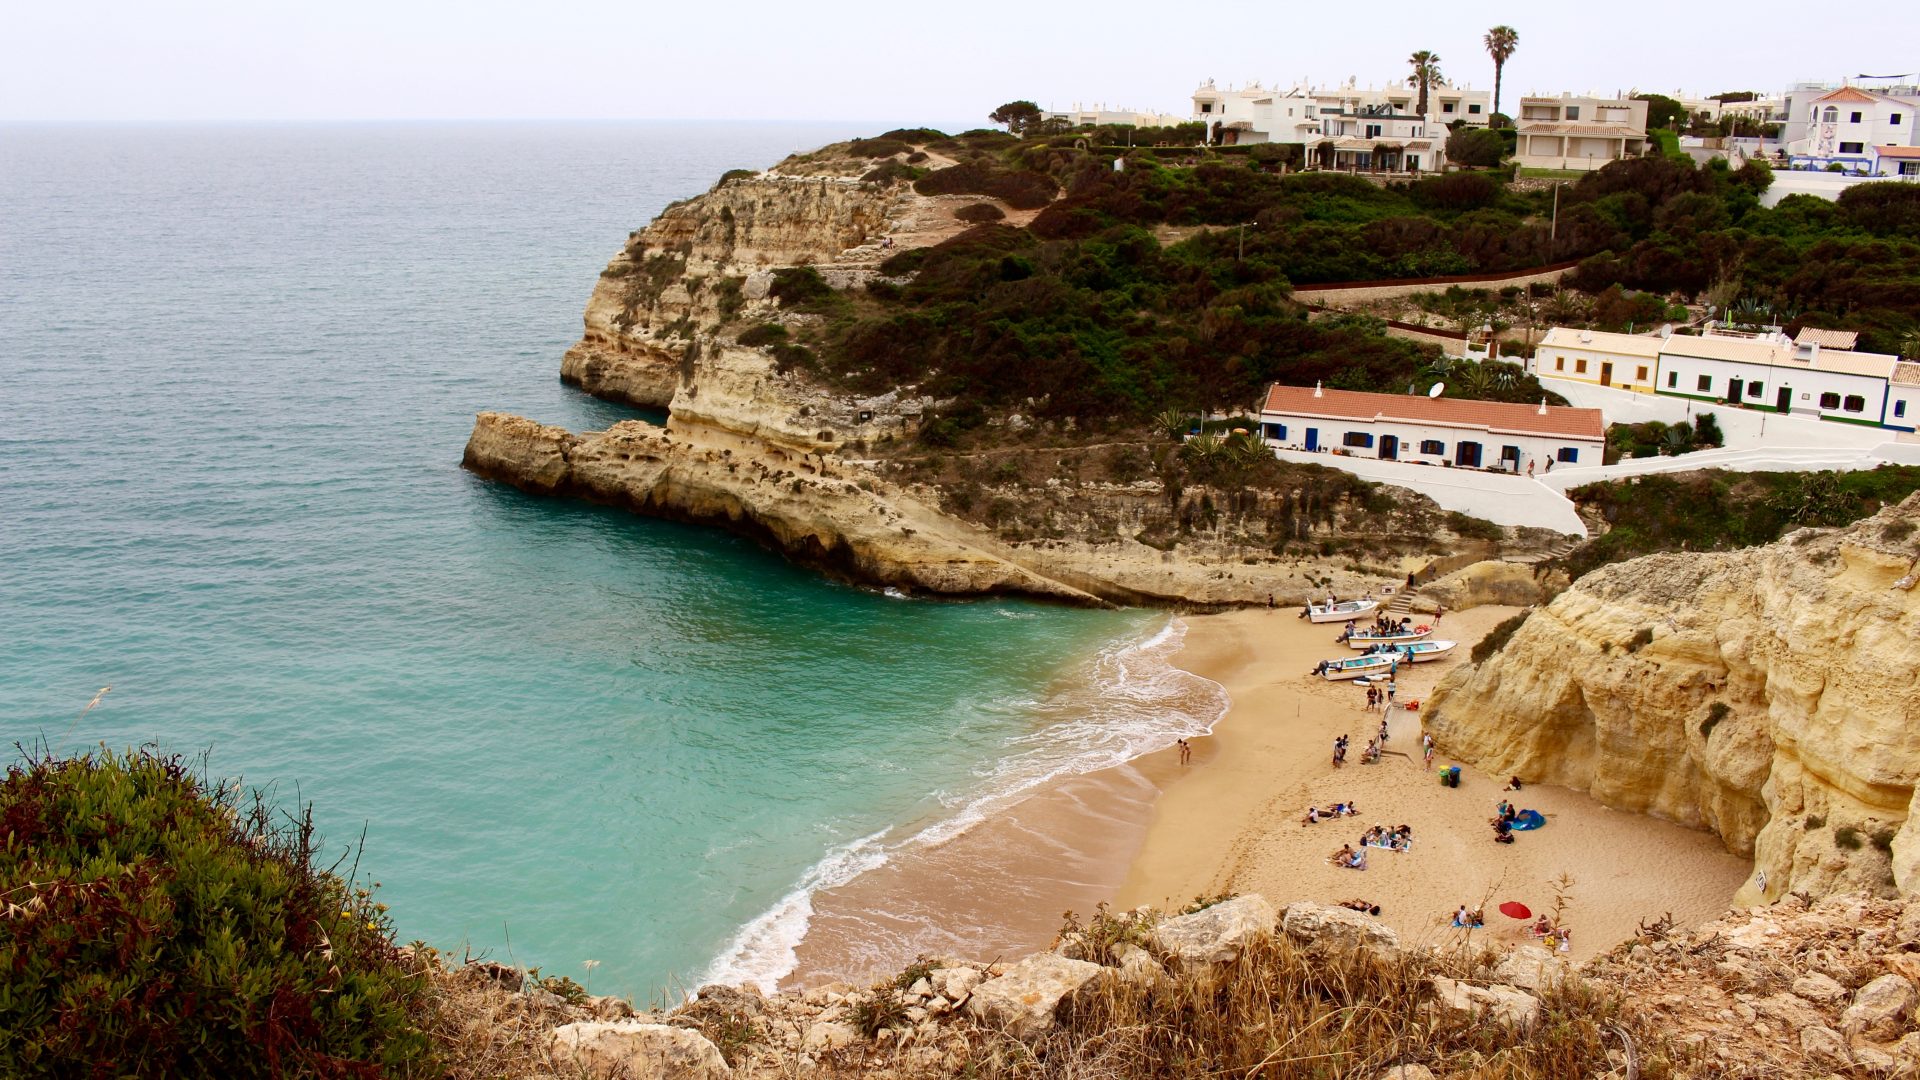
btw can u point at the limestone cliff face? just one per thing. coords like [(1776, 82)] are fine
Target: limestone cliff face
[(1771, 695)]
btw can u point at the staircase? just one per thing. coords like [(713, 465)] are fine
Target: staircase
[(1558, 550), (1402, 603)]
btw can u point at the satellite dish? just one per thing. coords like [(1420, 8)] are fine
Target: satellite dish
[(1438, 389)]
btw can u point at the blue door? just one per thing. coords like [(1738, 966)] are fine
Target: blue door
[(1313, 438)]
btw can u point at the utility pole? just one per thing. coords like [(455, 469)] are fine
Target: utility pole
[(1243, 240), (1553, 228)]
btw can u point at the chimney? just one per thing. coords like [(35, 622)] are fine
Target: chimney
[(1543, 406), (1316, 390)]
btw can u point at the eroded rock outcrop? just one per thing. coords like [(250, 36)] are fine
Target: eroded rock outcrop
[(1771, 695)]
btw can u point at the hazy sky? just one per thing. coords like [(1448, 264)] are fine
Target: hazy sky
[(945, 64)]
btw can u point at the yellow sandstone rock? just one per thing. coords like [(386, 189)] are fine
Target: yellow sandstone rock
[(1771, 695)]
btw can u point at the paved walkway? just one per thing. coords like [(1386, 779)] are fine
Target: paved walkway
[(1743, 429), (1497, 497)]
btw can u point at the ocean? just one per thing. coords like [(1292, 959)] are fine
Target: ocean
[(237, 368)]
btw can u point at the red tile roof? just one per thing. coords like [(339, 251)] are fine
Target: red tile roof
[(1898, 151), (1847, 93), (1492, 416)]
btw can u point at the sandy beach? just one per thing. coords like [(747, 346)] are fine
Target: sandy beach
[(1231, 819)]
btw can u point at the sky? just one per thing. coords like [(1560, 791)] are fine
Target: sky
[(901, 62)]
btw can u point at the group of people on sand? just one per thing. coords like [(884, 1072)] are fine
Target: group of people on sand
[(1349, 858), (1469, 919), (1381, 697), (1315, 815), (1398, 838), (1557, 938), (1339, 751)]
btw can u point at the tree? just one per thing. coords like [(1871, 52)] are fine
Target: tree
[(1426, 72), (1910, 344), (1477, 147), (1018, 116), (1663, 111), (1501, 41)]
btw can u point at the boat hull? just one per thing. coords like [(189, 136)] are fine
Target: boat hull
[(1346, 611), (1368, 641), (1349, 669)]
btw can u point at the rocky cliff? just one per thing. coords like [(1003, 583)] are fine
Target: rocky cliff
[(755, 445), (1771, 695)]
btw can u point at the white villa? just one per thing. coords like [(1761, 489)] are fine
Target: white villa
[(1584, 133), (1100, 116), (1819, 373), (1431, 431), (1852, 128), (1345, 127)]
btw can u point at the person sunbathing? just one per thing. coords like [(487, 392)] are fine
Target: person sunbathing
[(1312, 818), (1361, 906)]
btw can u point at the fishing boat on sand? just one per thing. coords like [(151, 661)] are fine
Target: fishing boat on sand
[(1422, 651), (1352, 667), (1341, 611), (1365, 640)]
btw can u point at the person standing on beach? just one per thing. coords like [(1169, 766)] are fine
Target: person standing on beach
[(1391, 687), (1186, 752), (1373, 698), (1426, 745), (1437, 612)]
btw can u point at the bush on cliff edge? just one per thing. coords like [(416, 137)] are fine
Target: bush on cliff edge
[(155, 925)]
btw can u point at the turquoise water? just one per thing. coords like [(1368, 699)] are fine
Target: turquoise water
[(237, 368)]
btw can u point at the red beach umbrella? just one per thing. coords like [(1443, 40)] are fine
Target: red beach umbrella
[(1514, 909)]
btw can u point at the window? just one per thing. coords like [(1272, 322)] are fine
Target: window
[(1559, 363), (1754, 388), (1853, 403), (1510, 453), (1851, 147), (1435, 446), (1358, 438), (1473, 110), (1447, 107), (1894, 119), (1580, 367), (1373, 131), (1832, 114), (1705, 384), (1673, 380), (1900, 408), (1568, 454), (1206, 106), (1640, 375), (1275, 431), (1573, 112), (1855, 120), (1829, 401)]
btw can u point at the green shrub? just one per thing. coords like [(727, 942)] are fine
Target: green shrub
[(877, 148), (162, 926), (799, 286), (1847, 838), (888, 172), (1473, 528), (1497, 637), (1716, 712), (731, 175), (762, 334), (1814, 823), (1018, 189), (979, 213)]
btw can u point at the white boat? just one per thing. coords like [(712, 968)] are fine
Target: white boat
[(1352, 667), (1368, 641), (1420, 652), (1341, 611)]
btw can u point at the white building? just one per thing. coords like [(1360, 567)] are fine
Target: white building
[(1816, 374), (1843, 126), (1625, 361), (1432, 431), (1101, 116), (1900, 161), (1586, 133), (1375, 138), (1255, 114), (1346, 127)]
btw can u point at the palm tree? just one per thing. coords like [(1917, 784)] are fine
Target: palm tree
[(1426, 72), (1910, 344), (1501, 41)]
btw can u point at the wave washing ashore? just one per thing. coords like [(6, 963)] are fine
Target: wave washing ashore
[(1049, 825)]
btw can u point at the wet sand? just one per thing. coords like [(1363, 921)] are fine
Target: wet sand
[(1232, 821)]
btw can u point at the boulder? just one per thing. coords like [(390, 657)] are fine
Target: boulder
[(955, 983), (1879, 1008), (1824, 1047), (1024, 1001), (1531, 967), (1138, 967), (635, 1051), (1406, 1072), (1214, 935), (829, 1036), (1819, 989), (1322, 924), (1507, 1005)]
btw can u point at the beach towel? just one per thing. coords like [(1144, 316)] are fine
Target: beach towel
[(1528, 819)]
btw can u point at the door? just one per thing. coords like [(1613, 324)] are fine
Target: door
[(1467, 455), (1734, 386), (1313, 439), (1785, 401), (1606, 374), (1389, 447)]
